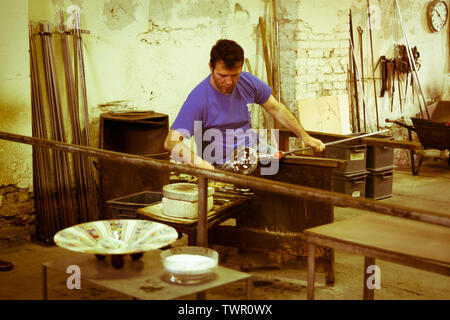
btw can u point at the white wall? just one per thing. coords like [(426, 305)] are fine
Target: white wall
[(15, 105), (151, 53)]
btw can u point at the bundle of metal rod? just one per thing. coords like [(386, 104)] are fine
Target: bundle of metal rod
[(65, 202), (75, 125), (43, 185), (88, 165)]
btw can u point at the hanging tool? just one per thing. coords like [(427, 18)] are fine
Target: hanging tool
[(399, 90), (384, 75), (360, 31), (373, 68), (281, 154)]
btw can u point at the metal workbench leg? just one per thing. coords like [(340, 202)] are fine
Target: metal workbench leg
[(44, 283), (311, 271), (329, 271), (201, 295), (202, 223), (249, 285), (368, 293)]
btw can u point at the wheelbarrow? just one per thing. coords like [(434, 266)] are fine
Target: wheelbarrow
[(434, 137)]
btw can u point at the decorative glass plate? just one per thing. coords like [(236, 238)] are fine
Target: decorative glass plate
[(116, 238)]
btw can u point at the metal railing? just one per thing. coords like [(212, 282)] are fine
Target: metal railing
[(203, 175)]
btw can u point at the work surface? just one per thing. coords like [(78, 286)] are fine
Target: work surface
[(429, 191), (142, 279), (390, 234)]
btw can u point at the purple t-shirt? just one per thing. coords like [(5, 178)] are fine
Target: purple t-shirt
[(221, 123)]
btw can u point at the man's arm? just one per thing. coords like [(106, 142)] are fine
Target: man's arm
[(280, 112), (180, 152)]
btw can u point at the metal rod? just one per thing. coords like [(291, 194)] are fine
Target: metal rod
[(61, 165), (411, 60), (289, 189), (358, 122), (76, 137), (44, 196), (278, 60), (359, 79), (202, 223), (262, 30), (337, 141), (350, 88), (360, 31), (373, 64)]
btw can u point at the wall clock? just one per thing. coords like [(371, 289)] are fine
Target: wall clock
[(437, 15)]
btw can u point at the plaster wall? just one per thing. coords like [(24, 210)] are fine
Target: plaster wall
[(15, 103)]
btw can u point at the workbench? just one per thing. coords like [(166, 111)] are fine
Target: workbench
[(270, 232), (375, 236), (226, 206), (141, 279)]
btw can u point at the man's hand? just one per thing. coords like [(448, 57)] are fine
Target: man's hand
[(316, 144)]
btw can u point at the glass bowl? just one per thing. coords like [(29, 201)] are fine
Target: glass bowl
[(189, 264), (116, 238)]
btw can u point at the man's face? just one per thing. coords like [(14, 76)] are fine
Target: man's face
[(224, 79)]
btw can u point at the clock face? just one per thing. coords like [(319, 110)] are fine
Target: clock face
[(437, 15)]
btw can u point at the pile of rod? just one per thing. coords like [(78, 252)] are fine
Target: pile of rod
[(82, 164), (64, 187), (44, 187)]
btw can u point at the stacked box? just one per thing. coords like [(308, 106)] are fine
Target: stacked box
[(380, 157), (351, 179), (380, 166), (379, 183), (353, 184), (355, 155)]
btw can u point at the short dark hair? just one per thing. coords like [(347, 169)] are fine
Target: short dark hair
[(227, 51)]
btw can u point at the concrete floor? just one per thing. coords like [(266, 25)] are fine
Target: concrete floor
[(429, 190)]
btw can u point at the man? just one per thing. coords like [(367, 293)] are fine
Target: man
[(217, 110)]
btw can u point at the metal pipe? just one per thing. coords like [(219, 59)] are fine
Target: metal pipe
[(358, 123), (336, 142), (360, 84), (411, 59), (289, 189), (373, 64), (202, 224), (360, 31)]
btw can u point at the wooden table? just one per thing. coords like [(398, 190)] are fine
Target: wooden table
[(406, 242), (226, 206), (269, 232), (141, 279)]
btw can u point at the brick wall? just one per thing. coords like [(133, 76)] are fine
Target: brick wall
[(314, 63), (17, 217)]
